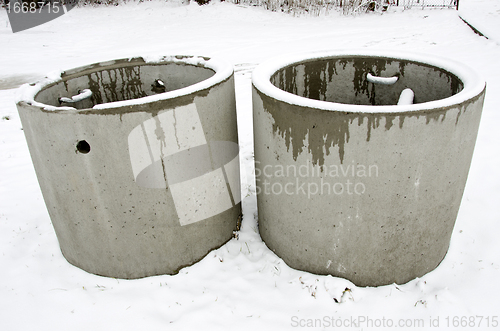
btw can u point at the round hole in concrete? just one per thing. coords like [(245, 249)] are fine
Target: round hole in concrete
[(83, 147)]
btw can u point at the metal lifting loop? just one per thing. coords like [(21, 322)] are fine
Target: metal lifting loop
[(82, 95), (381, 80), (158, 86), (406, 97)]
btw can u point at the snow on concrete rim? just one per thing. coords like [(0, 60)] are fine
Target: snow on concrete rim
[(27, 92), (261, 80), (222, 69)]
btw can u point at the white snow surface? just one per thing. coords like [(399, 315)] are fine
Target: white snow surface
[(242, 285), (482, 15)]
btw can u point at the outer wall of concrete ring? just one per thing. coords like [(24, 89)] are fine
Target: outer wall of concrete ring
[(365, 192), (135, 186)]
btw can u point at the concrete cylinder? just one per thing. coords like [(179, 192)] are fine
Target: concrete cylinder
[(137, 160), (362, 159)]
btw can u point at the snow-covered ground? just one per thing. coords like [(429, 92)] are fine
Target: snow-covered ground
[(242, 285), (483, 15)]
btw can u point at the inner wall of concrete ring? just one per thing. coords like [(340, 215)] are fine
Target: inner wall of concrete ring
[(370, 197), (108, 222)]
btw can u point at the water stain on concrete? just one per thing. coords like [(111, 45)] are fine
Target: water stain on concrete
[(116, 84), (340, 80)]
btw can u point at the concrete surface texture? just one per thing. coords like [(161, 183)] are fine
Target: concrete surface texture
[(364, 195), (144, 188)]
